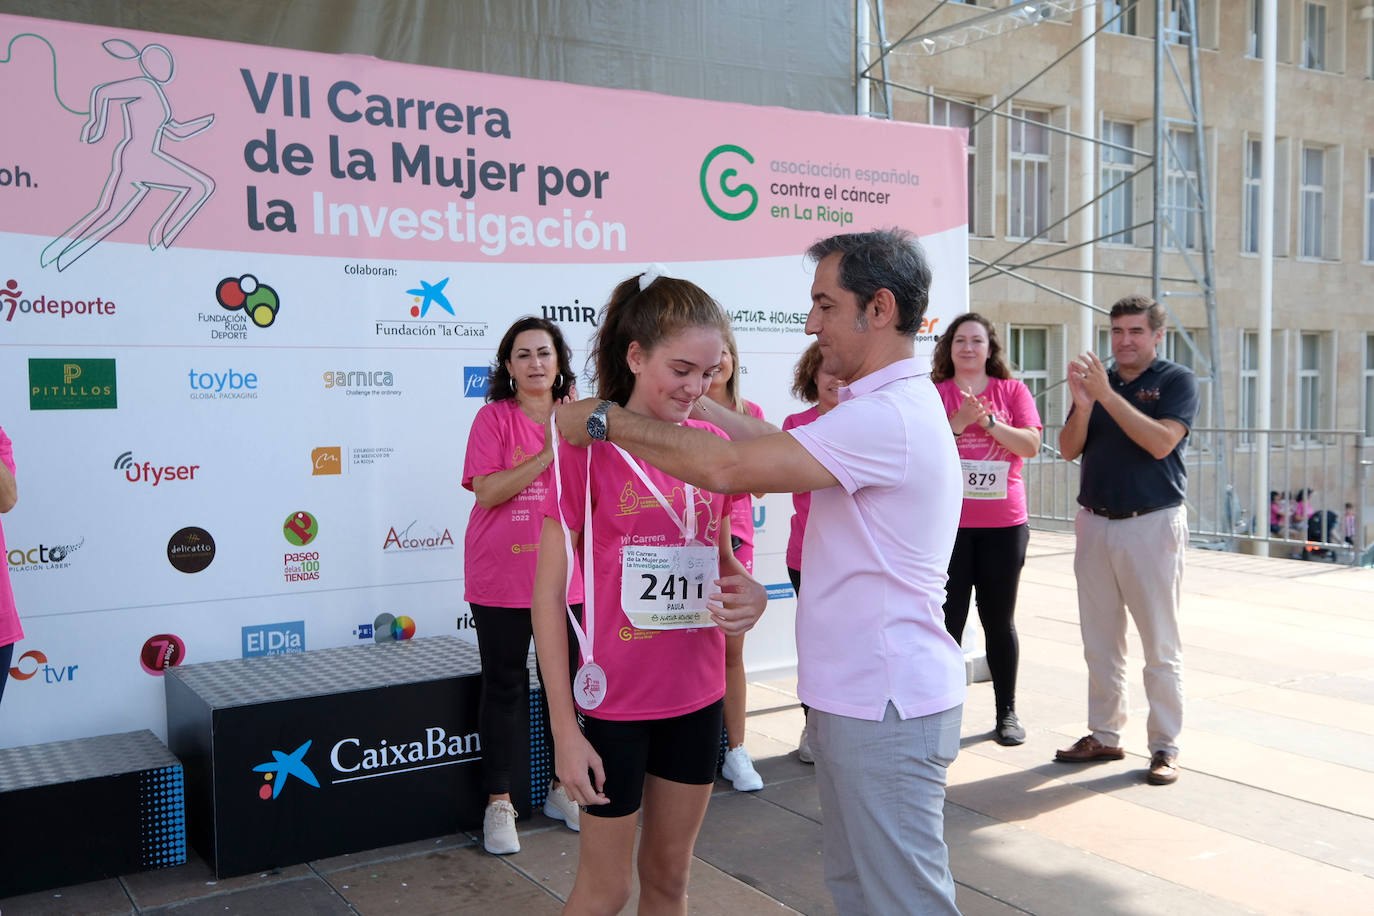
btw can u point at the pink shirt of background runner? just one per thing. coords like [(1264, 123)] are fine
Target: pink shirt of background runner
[(1012, 405), (501, 546), (10, 630), (742, 510), (650, 674), (801, 502), (871, 623)]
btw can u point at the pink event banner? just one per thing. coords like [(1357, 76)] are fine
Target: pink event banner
[(140, 137)]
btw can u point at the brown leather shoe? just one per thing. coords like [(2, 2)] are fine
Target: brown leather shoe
[(1163, 769), (1088, 748)]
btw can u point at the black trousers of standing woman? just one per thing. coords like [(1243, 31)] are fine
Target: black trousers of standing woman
[(503, 641), (989, 561)]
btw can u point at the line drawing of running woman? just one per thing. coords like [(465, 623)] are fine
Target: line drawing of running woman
[(144, 111)]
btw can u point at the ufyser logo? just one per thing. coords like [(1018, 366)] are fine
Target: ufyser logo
[(475, 381), (723, 179), (150, 474)]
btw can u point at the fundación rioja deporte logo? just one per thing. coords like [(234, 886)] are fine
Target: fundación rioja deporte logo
[(258, 301)]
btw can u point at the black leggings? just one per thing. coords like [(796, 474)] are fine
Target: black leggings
[(6, 656), (990, 560), (503, 639)]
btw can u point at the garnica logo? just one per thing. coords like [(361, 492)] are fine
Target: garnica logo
[(718, 187)]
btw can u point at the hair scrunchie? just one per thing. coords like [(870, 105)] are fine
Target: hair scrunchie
[(651, 273)]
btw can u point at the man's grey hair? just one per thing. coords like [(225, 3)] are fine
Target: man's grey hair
[(889, 259)]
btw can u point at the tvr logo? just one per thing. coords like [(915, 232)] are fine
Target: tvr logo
[(33, 662)]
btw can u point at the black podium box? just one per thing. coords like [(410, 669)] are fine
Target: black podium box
[(290, 758), (77, 811)]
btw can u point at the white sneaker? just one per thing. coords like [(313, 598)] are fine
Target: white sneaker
[(804, 745), (498, 829), (560, 807), (739, 769)]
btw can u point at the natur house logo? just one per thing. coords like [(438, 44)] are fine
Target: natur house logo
[(72, 384)]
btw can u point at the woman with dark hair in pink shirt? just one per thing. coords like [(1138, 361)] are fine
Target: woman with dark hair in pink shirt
[(10, 630), (509, 452), (996, 426), (639, 725)]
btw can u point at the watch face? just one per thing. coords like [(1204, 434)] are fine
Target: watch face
[(596, 423)]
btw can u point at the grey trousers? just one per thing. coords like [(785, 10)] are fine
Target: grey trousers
[(882, 788)]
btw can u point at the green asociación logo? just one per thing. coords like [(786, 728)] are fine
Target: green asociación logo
[(720, 191)]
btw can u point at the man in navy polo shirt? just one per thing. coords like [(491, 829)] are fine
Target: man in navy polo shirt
[(1130, 425)]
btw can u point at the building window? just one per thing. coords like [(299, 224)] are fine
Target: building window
[(1309, 383), (1028, 191), (1369, 386), (1176, 348), (1319, 195), (1181, 209), (1249, 233), (1249, 383), (1314, 36), (1118, 203), (1369, 208), (1123, 24), (950, 113), (1255, 44), (1028, 349)]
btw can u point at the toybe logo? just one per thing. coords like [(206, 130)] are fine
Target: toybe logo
[(300, 529), (12, 302), (191, 549), (72, 384), (35, 662), (475, 381), (151, 474), (286, 638), (230, 384)]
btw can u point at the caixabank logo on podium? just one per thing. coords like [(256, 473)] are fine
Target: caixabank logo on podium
[(320, 775)]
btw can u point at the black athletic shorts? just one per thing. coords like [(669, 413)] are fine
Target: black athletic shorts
[(683, 749)]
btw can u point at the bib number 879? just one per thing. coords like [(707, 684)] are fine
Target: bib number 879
[(669, 589), (981, 479)]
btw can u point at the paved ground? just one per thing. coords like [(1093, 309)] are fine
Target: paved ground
[(1274, 812)]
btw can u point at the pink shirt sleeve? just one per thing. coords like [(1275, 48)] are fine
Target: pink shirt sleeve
[(486, 445), (1024, 413)]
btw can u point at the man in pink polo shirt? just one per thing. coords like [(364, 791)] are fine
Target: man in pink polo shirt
[(883, 678)]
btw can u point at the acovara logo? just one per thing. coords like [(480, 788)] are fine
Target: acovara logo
[(44, 556), (152, 474), (476, 379), (717, 187), (12, 302), (282, 767), (246, 295), (300, 528), (72, 384), (326, 460), (191, 549), (35, 662), (286, 638), (231, 384), (160, 652), (406, 540)]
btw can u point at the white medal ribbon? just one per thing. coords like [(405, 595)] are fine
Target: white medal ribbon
[(589, 685)]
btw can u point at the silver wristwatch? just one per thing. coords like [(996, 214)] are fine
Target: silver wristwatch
[(596, 421)]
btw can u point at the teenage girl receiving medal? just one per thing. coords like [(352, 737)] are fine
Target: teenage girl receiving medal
[(638, 725)]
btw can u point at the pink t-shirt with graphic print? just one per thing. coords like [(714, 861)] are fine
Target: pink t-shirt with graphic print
[(650, 674), (10, 630), (501, 547), (742, 510), (1012, 405)]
